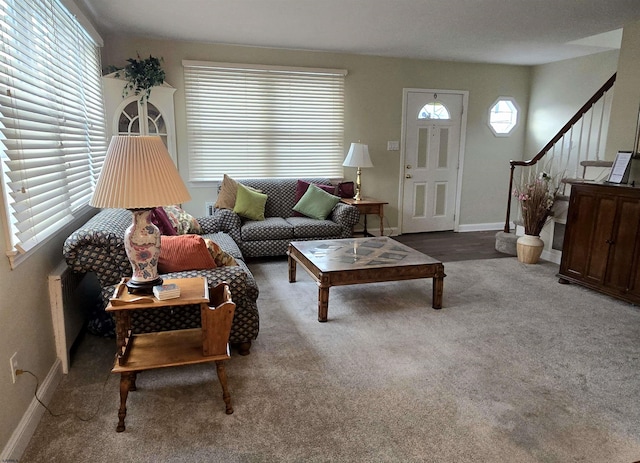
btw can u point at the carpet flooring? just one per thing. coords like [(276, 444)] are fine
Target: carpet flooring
[(514, 368)]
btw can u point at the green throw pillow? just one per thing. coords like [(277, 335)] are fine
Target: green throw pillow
[(316, 203), (249, 203)]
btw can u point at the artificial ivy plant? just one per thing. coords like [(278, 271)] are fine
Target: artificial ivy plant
[(142, 75)]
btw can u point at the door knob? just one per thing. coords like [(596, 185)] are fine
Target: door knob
[(408, 175), (408, 166)]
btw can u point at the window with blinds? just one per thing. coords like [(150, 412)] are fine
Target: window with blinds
[(52, 123), (263, 121)]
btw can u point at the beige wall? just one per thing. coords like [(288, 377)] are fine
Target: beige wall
[(25, 324), (558, 90), (373, 113), (626, 101)]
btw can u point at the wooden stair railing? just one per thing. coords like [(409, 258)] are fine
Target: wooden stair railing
[(563, 131)]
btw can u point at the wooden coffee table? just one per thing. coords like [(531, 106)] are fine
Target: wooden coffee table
[(354, 261)]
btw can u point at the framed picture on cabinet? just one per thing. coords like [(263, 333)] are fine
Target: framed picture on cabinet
[(620, 169)]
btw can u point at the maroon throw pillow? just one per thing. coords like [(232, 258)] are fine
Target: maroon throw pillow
[(161, 220), (301, 189), (346, 190)]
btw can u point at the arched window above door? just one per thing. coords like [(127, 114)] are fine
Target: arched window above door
[(434, 110)]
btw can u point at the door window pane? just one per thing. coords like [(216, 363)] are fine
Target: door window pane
[(443, 151), (441, 199), (423, 147), (419, 207), (434, 110)]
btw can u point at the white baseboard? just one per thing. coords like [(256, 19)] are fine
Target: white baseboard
[(474, 227), (393, 231), (26, 428), (553, 255)]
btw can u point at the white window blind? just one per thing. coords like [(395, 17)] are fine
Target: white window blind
[(53, 137), (263, 121)]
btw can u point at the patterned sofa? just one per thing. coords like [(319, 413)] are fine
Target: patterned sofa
[(98, 247), (271, 237)]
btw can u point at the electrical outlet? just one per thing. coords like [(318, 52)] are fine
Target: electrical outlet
[(208, 209), (13, 362)]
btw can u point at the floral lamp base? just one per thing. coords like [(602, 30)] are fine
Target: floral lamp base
[(142, 243), (529, 249)]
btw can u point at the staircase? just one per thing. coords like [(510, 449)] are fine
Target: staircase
[(574, 154)]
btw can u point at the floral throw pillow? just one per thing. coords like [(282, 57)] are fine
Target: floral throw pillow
[(220, 257), (182, 221)]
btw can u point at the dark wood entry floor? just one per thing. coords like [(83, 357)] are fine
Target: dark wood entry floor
[(450, 246)]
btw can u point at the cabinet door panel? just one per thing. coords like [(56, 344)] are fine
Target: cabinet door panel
[(577, 238), (600, 239), (634, 281), (623, 246)]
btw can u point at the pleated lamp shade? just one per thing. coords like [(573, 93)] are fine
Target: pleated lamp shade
[(138, 173)]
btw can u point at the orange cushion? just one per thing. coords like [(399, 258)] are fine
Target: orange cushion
[(183, 252)]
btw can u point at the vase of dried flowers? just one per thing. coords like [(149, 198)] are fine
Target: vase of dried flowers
[(529, 249), (536, 198)]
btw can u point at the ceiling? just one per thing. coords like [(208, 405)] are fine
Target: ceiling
[(522, 32)]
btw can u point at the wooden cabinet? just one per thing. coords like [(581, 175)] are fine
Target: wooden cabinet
[(602, 240)]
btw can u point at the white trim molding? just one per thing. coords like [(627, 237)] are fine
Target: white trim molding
[(21, 436)]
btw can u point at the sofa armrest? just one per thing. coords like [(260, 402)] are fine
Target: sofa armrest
[(228, 222), (346, 216), (209, 224), (98, 246)]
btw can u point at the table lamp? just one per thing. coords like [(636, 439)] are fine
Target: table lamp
[(138, 174), (358, 156)]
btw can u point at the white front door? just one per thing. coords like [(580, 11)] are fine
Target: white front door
[(432, 128)]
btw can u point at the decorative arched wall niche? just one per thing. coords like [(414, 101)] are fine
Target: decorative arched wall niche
[(133, 115)]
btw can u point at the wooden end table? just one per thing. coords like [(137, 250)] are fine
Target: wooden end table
[(353, 261), (139, 352), (368, 206)]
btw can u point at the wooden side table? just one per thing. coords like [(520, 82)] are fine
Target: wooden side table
[(368, 206), (139, 352)]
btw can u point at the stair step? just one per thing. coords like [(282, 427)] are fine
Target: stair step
[(570, 180), (506, 243), (596, 163)]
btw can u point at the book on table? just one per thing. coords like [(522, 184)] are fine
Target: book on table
[(164, 292)]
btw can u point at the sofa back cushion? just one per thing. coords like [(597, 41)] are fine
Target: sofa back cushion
[(281, 193)]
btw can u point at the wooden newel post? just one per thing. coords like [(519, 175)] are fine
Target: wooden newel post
[(506, 221)]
